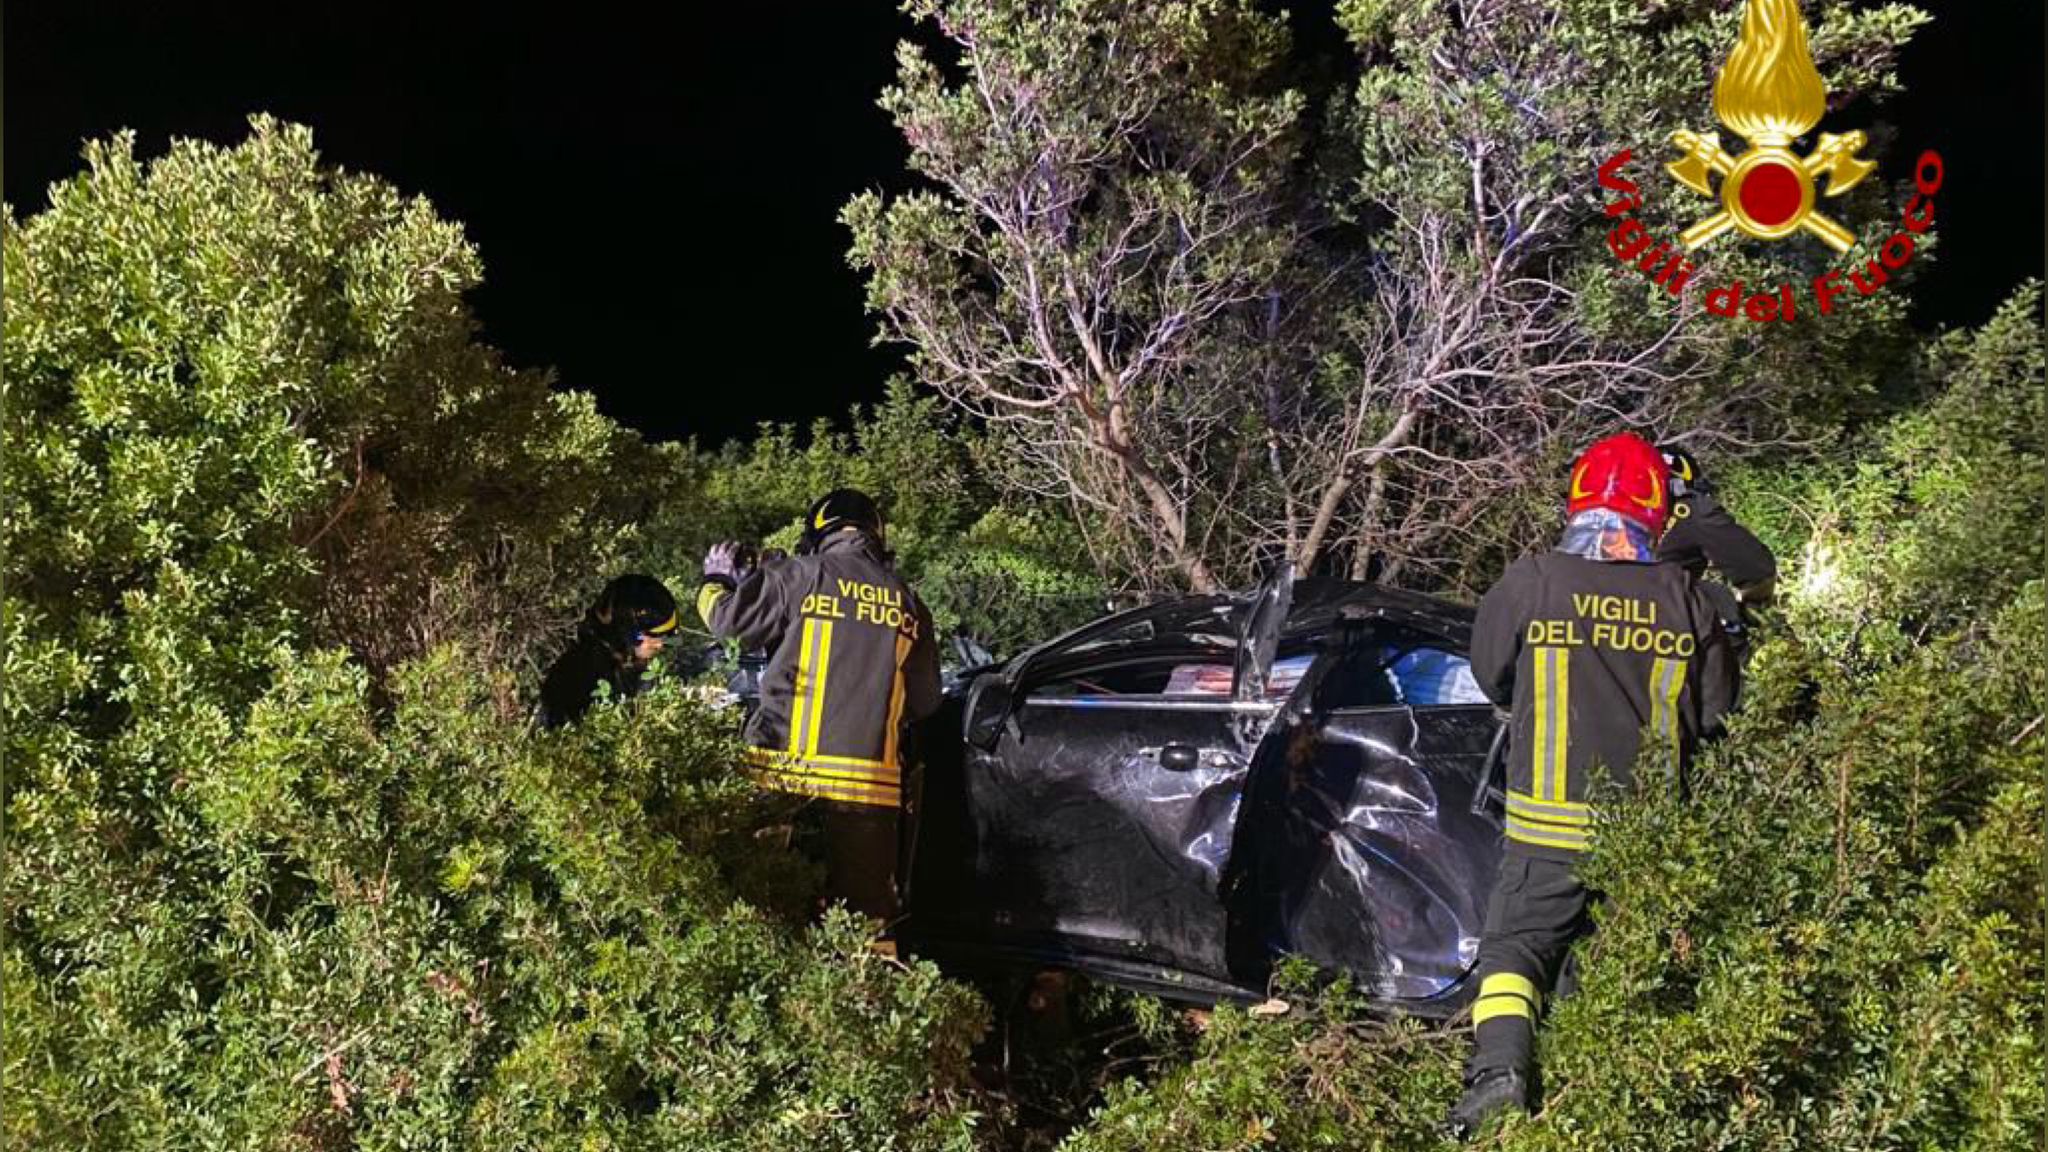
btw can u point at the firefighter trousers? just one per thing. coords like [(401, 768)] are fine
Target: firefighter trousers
[(1537, 910), (858, 845)]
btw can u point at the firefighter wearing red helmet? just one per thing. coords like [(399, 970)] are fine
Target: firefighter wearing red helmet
[(1593, 647)]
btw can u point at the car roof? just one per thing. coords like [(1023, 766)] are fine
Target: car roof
[(1320, 604), (1212, 622)]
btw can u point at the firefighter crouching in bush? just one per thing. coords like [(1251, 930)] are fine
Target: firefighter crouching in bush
[(1593, 646), (851, 662), (628, 626)]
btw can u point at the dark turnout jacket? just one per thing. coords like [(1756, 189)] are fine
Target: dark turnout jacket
[(1703, 534), (1589, 656), (851, 659), (570, 686)]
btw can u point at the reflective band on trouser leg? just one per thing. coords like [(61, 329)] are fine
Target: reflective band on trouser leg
[(1506, 994)]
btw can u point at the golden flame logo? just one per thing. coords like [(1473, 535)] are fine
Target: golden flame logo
[(1770, 93)]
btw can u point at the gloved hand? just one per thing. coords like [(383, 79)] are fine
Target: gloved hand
[(722, 563)]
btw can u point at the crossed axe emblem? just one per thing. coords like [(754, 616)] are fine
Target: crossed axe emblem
[(1768, 191)]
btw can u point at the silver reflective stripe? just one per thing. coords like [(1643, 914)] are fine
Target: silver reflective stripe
[(1561, 724), (1552, 737), (1540, 743), (1667, 680)]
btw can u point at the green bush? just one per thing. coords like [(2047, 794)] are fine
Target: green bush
[(267, 891), (334, 928)]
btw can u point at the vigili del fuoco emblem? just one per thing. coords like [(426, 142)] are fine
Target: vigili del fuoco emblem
[(1769, 93)]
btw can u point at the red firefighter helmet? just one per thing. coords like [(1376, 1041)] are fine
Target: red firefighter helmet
[(1624, 474)]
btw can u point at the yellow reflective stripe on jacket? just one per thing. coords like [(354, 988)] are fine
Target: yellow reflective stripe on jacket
[(820, 673), (1506, 994), (1552, 738), (848, 791), (1561, 722), (707, 601), (1548, 835), (893, 732), (829, 768), (848, 761), (822, 772), (800, 698), (851, 767), (1565, 812), (1539, 744)]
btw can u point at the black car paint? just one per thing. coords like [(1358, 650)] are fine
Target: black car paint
[(1181, 845)]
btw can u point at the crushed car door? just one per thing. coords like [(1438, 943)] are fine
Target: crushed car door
[(1105, 801), (1103, 816), (1376, 845)]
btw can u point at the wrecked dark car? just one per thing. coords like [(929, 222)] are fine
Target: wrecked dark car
[(1175, 797)]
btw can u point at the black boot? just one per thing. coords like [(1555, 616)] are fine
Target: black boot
[(1486, 1094)]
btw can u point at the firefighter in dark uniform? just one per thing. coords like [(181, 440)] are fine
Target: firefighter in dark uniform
[(1703, 535), (851, 661), (617, 638), (1594, 647)]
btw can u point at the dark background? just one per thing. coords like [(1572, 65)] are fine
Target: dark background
[(655, 193)]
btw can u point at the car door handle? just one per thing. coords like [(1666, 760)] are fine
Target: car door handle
[(1187, 757)]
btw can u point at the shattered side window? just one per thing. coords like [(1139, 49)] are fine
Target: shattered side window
[(1426, 677), (1146, 678), (1216, 679), (1168, 678), (1417, 675)]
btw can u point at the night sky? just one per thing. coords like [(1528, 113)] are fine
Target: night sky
[(655, 192)]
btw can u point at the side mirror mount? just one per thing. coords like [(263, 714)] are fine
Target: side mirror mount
[(989, 705)]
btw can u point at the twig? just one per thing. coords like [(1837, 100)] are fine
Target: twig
[(2027, 731), (321, 1060), (347, 500)]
